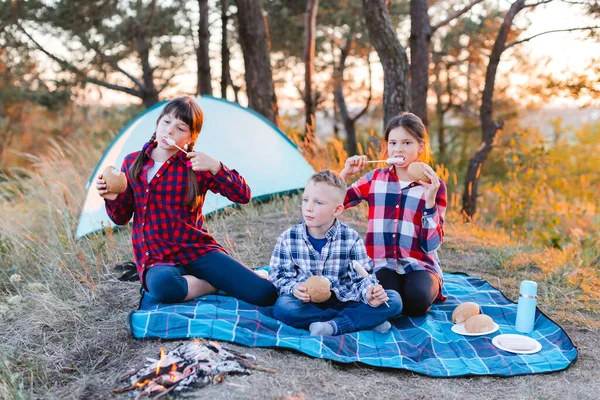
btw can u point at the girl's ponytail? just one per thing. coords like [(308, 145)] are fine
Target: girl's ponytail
[(138, 164), (193, 192)]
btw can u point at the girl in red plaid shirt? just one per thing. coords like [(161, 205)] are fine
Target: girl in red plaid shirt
[(406, 218), (177, 259)]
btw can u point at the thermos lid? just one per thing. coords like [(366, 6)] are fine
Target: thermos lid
[(528, 288)]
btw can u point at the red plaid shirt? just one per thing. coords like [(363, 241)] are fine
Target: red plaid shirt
[(402, 234), (165, 231)]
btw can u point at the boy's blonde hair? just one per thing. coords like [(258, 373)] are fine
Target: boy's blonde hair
[(332, 179)]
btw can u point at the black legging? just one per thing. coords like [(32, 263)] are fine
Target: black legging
[(418, 289), (166, 283)]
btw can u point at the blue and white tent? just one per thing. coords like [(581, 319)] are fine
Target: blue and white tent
[(239, 137)]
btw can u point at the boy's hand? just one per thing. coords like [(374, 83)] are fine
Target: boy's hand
[(431, 189), (353, 166), (376, 296), (300, 293), (101, 188), (204, 162)]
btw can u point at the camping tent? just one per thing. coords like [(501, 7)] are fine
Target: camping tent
[(241, 138)]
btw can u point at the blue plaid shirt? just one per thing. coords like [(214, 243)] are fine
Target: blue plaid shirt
[(294, 260)]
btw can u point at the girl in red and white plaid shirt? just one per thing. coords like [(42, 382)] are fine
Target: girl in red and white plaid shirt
[(177, 259), (406, 218)]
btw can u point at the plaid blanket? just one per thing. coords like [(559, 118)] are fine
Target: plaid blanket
[(424, 345)]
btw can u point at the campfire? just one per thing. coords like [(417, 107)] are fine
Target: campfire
[(190, 365)]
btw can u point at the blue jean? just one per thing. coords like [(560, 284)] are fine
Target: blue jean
[(167, 284), (349, 316)]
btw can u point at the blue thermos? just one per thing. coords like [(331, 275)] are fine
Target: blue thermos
[(526, 307)]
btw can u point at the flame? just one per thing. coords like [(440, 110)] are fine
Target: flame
[(162, 356), (142, 384), (173, 368)]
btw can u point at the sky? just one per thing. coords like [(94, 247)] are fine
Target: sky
[(566, 50)]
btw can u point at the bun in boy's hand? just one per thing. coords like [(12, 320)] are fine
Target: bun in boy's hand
[(416, 171), (319, 288), (116, 181)]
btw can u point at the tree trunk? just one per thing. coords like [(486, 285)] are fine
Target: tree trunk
[(149, 99), (489, 127), (310, 29), (202, 58), (396, 89), (440, 108), (236, 89), (224, 49), (149, 94), (441, 131), (338, 96), (225, 69), (420, 37), (340, 100), (253, 40)]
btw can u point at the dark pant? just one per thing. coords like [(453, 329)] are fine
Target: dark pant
[(349, 316), (167, 284), (418, 289)]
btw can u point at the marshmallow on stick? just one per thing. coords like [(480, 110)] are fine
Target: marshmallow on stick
[(391, 160), (362, 272), (171, 142)]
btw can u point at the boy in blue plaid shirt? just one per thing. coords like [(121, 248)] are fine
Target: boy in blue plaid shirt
[(323, 246)]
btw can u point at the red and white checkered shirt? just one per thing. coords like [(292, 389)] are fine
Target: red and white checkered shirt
[(165, 231), (402, 234)]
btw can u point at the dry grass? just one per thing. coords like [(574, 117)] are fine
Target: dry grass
[(66, 337)]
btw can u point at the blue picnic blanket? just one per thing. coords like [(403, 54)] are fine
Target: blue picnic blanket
[(424, 345)]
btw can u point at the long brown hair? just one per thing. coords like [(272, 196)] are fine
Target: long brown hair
[(414, 126), (188, 111)]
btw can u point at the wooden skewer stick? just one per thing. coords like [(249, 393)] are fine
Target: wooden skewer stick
[(362, 272)]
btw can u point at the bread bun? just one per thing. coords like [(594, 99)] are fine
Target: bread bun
[(318, 288), (464, 311), (116, 181), (479, 323), (416, 172)]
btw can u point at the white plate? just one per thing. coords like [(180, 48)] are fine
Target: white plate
[(517, 344), (460, 329)]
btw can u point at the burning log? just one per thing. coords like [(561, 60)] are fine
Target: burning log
[(192, 364)]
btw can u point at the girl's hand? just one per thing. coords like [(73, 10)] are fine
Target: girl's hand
[(300, 293), (353, 166), (204, 162), (431, 189), (101, 187), (376, 296)]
